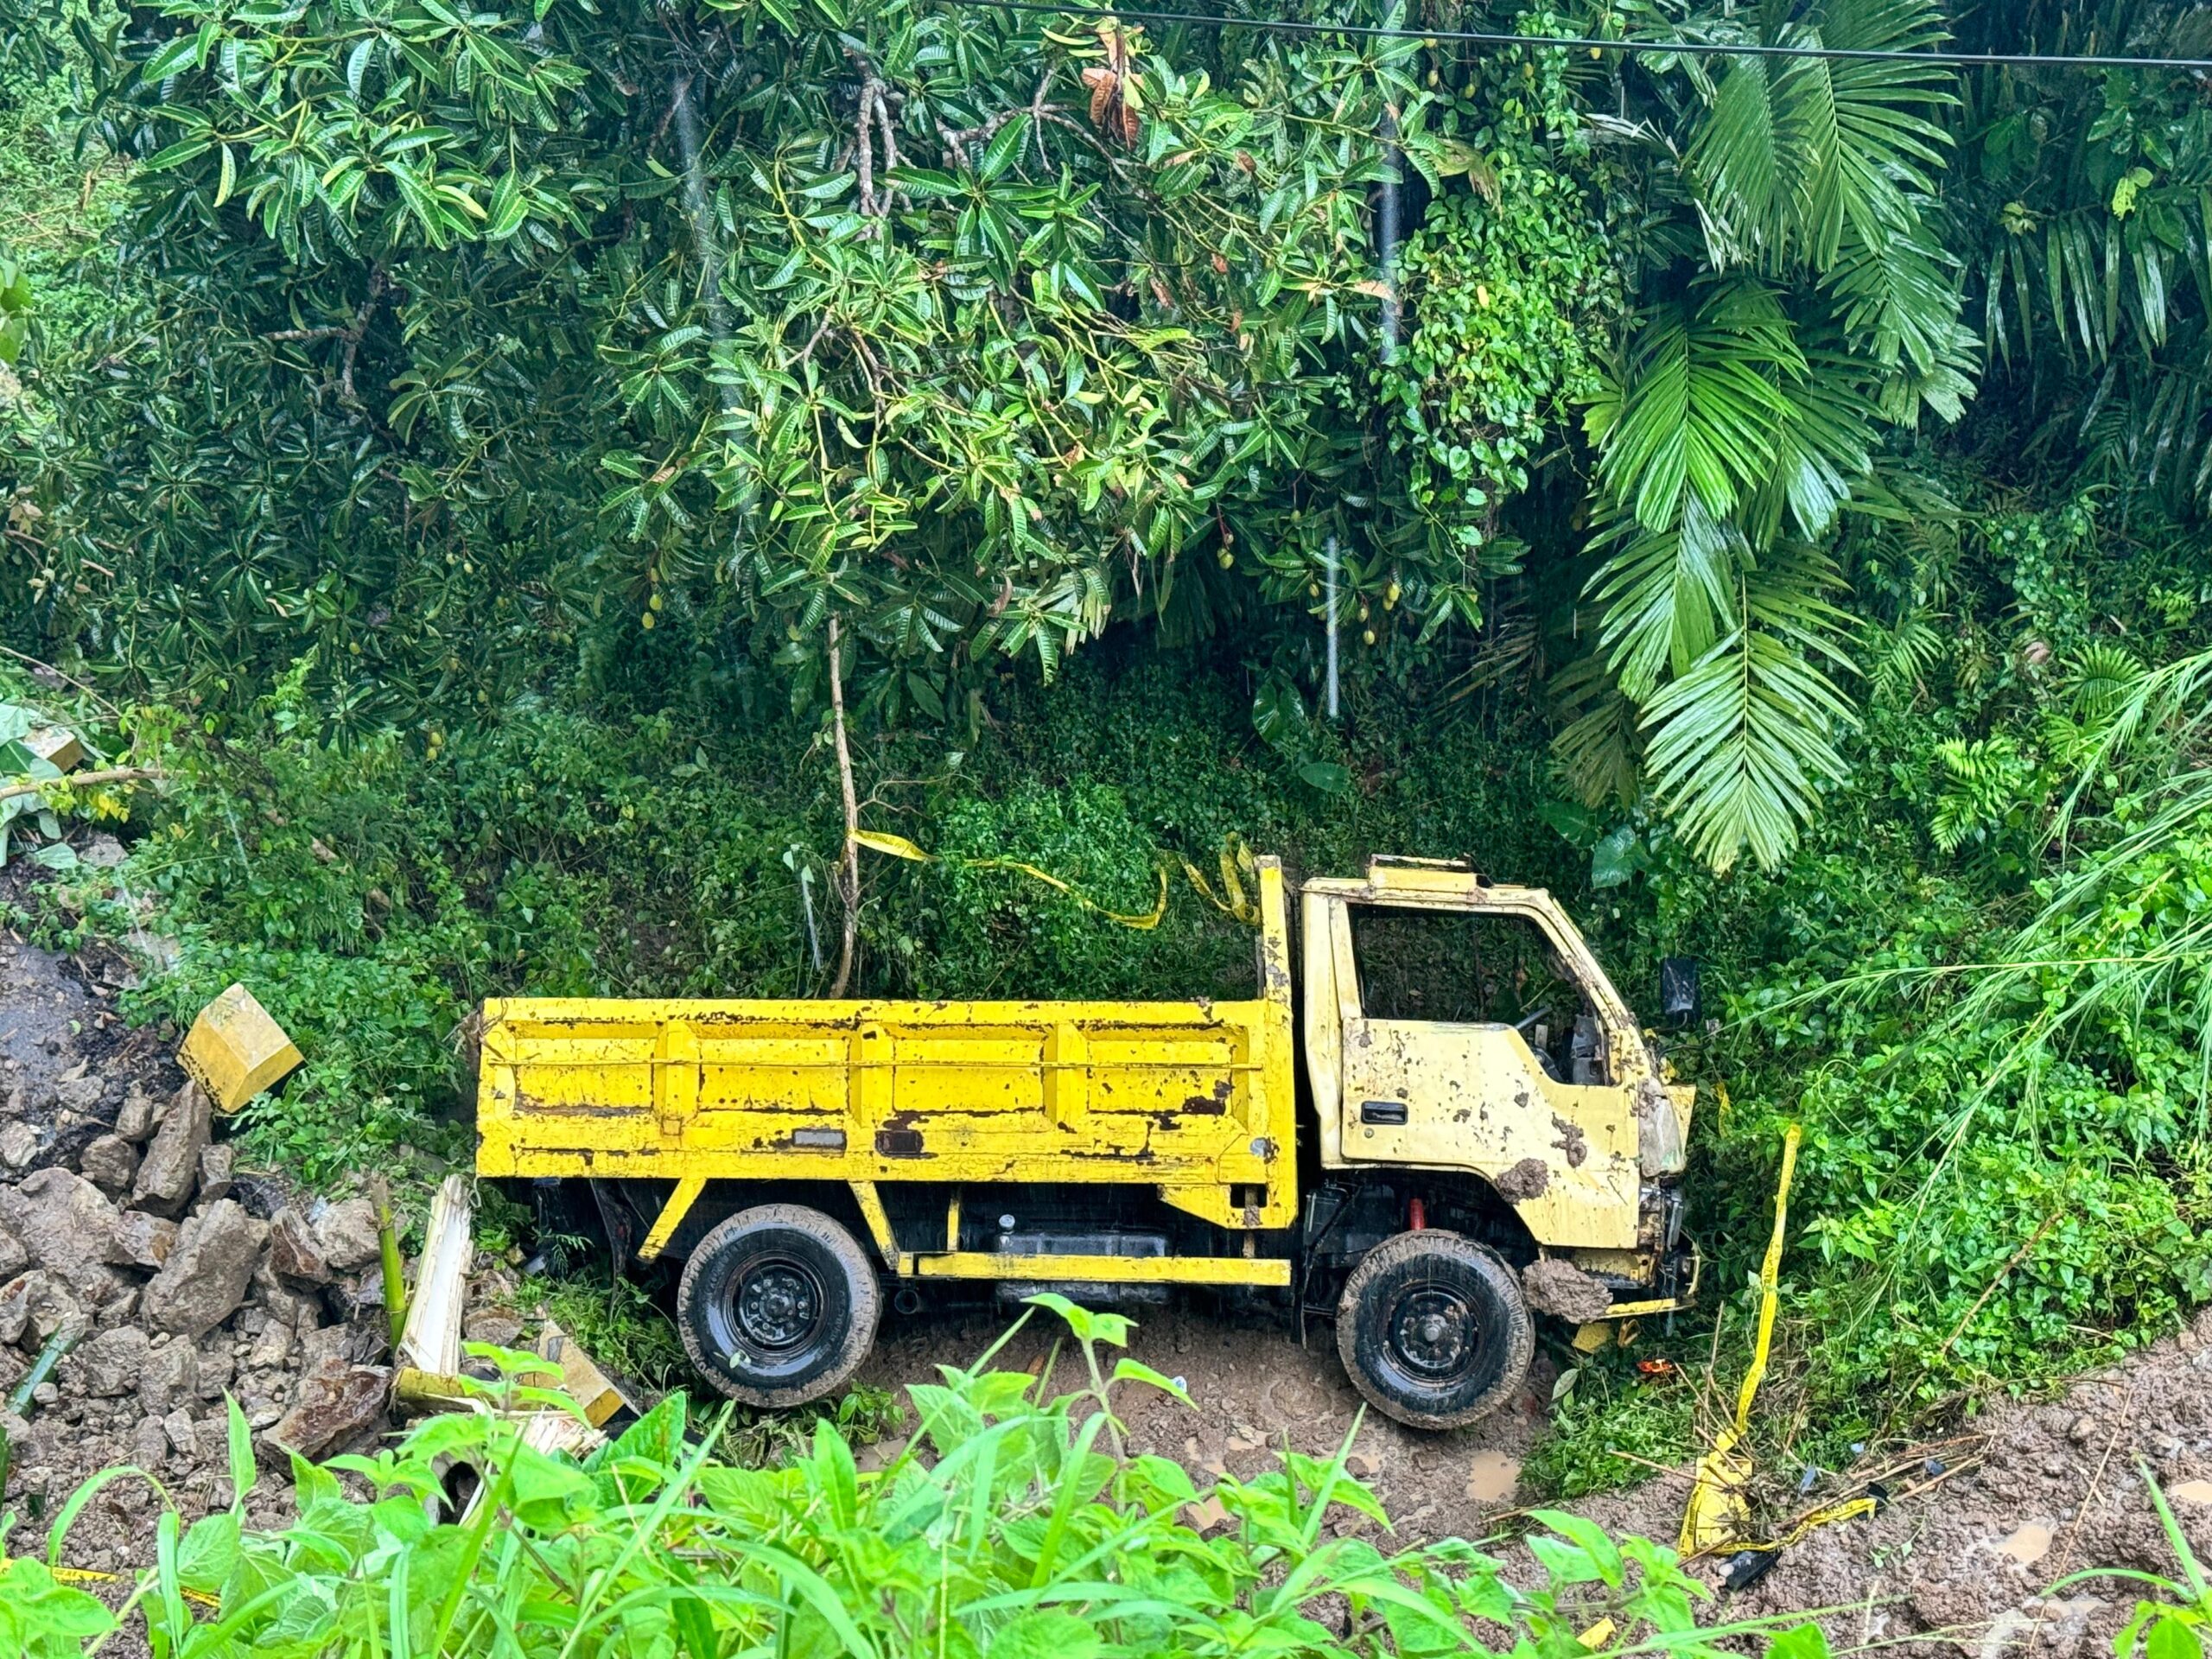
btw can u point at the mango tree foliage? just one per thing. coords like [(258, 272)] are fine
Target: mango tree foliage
[(975, 328)]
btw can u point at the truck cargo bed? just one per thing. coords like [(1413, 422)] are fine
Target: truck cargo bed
[(1193, 1098)]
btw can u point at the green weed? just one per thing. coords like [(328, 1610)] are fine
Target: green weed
[(1016, 1527)]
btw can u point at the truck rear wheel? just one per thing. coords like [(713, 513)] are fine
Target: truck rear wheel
[(1432, 1330), (778, 1305)]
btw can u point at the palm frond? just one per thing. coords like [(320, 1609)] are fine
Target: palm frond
[(1699, 403), (1738, 748), (1596, 744)]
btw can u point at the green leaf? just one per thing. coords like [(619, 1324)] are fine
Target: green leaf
[(1805, 1641), (1051, 1634)]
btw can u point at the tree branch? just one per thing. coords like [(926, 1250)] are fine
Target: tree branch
[(851, 872), (84, 780)]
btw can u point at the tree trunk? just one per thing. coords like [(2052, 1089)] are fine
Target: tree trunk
[(849, 870)]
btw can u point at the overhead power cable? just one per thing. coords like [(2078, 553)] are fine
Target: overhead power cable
[(1671, 48)]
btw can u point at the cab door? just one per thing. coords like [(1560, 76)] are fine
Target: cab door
[(1440, 1012)]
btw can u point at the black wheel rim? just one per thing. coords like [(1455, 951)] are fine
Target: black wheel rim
[(777, 1303), (1432, 1332)]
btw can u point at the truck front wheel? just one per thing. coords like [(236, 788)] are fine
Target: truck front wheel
[(778, 1305), (1432, 1330)]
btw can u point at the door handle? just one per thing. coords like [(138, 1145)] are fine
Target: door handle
[(1383, 1111)]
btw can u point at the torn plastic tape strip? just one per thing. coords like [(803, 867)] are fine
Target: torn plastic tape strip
[(1236, 853), (1236, 858), (1716, 1512), (1770, 1281), (90, 1575), (1850, 1509)]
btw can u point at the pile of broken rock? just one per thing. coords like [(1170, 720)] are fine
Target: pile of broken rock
[(178, 1286)]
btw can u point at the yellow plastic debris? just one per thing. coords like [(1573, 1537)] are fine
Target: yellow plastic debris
[(581, 1380), (56, 746), (234, 1050)]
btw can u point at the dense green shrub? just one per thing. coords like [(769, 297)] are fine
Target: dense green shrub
[(1015, 1526)]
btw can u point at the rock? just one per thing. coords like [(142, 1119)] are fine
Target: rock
[(498, 1329), (34, 1305), (14, 1258), (109, 1364), (136, 1121), (1565, 1291), (64, 1221), (218, 1364), (271, 1348), (294, 1252), (101, 850), (206, 1276), (19, 1144), (110, 1161), (144, 1241), (149, 1444), (172, 1162), (182, 1433), (79, 1094), (172, 1373), (216, 1163), (347, 1234), (336, 1402)]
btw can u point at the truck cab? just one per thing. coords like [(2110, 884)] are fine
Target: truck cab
[(1451, 1023)]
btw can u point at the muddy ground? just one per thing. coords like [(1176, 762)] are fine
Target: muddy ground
[(2019, 1498), (2039, 1489)]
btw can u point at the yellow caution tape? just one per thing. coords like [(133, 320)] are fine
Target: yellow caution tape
[(1850, 1509), (1716, 1513), (1235, 858), (89, 1575)]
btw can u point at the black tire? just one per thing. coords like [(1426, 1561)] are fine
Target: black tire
[(1433, 1330), (778, 1305)]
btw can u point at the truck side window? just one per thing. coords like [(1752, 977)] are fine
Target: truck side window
[(1456, 966)]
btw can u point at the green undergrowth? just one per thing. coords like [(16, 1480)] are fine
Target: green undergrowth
[(373, 893), (1989, 1022), (1016, 1527)]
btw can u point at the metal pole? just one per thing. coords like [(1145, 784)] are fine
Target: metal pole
[(1386, 231), (1329, 563)]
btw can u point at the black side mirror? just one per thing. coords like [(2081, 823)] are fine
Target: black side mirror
[(1679, 1001)]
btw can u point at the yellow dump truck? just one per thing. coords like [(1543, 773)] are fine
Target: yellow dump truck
[(1444, 1115)]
